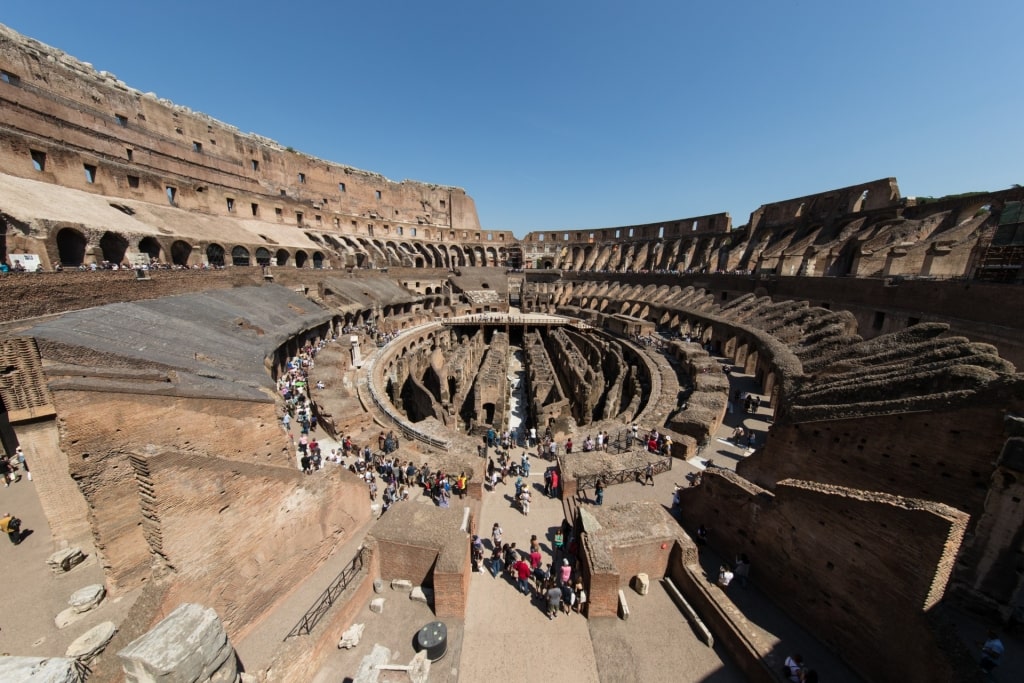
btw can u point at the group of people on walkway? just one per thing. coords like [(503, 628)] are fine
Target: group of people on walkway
[(558, 586)]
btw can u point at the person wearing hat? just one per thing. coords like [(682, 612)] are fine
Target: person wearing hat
[(565, 571)]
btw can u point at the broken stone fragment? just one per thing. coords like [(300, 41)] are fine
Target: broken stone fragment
[(64, 560), (351, 637), (377, 605), (92, 642), (85, 599)]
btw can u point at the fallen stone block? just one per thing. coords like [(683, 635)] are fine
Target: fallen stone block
[(642, 584), (65, 560), (190, 644), (378, 585), (623, 606), (85, 599), (401, 585), (351, 637), (66, 617), (421, 594), (40, 669), (377, 605), (92, 642)]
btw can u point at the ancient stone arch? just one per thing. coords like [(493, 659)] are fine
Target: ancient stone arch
[(150, 247), (113, 245), (181, 251), (282, 257), (240, 256), (215, 254), (318, 259), (300, 258), (263, 256), (71, 245)]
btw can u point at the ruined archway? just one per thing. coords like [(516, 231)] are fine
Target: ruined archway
[(263, 256), (70, 247), (282, 257), (240, 256), (318, 260), (300, 259), (150, 247), (113, 246), (180, 253), (215, 254)]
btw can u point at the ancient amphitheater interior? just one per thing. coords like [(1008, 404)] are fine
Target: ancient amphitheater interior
[(169, 274)]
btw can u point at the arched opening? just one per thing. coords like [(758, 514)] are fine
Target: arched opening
[(215, 255), (70, 247), (180, 253), (240, 256), (300, 259), (113, 246), (282, 256), (150, 247), (263, 256), (318, 259)]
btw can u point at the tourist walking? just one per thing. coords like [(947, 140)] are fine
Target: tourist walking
[(11, 525)]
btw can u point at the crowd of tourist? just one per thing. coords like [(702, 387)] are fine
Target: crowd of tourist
[(556, 584)]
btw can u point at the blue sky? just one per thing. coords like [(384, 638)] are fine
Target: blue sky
[(573, 114)]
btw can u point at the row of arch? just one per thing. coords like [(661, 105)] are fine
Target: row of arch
[(73, 248)]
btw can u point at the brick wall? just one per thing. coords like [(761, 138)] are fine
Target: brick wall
[(860, 587)]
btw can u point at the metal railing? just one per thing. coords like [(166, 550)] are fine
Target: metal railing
[(327, 599), (589, 481)]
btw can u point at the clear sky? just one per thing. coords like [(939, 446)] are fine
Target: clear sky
[(588, 113)]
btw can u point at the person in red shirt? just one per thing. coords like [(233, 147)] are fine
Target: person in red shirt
[(554, 483), (522, 571)]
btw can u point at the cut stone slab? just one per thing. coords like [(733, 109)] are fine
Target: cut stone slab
[(378, 585), (39, 670), (64, 560), (377, 605), (401, 585), (351, 637), (189, 645), (92, 642), (85, 599), (421, 594), (623, 606), (642, 584), (66, 617)]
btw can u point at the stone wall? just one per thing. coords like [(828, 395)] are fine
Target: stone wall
[(243, 536), (860, 587), (946, 456)]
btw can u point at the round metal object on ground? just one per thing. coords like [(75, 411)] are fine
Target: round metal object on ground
[(434, 639)]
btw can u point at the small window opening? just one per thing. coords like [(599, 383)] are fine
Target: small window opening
[(341, 187), (133, 181), (255, 209), (284, 193), (122, 120), (90, 173), (878, 321), (278, 212), (377, 193), (298, 217), (319, 220), (302, 178), (255, 164), (197, 146), (129, 153), (8, 77), (38, 159), (231, 205), (442, 204), (172, 193)]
